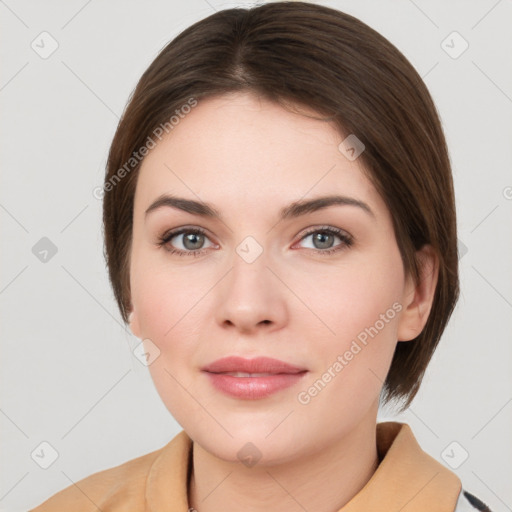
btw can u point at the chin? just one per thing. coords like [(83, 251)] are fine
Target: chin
[(250, 450)]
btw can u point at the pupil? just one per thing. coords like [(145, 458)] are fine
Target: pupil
[(320, 237), (193, 239)]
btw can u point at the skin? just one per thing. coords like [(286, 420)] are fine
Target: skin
[(249, 158)]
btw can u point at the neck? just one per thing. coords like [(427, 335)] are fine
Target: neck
[(323, 481)]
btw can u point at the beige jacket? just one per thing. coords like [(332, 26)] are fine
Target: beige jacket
[(407, 479)]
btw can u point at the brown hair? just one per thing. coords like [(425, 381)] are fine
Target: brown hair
[(330, 62)]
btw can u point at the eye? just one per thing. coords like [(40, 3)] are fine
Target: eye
[(190, 241), (323, 239)]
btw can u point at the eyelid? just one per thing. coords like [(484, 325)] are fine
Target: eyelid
[(346, 238), (171, 233), (325, 227)]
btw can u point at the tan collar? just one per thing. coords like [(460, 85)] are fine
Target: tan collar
[(407, 479)]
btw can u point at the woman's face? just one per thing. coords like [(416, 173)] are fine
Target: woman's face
[(320, 289)]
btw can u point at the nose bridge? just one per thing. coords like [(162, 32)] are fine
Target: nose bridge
[(249, 296), (249, 274)]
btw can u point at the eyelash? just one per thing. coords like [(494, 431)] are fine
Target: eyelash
[(168, 236)]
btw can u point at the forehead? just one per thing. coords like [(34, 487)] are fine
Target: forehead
[(241, 150)]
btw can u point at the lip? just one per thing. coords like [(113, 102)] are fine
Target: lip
[(255, 365), (280, 376)]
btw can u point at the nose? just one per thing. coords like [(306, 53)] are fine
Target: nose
[(251, 297)]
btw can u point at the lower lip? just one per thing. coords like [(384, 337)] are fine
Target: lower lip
[(253, 388)]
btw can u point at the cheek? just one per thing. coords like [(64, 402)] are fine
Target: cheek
[(350, 299), (169, 300), (157, 291), (350, 368), (359, 307), (165, 303), (168, 310)]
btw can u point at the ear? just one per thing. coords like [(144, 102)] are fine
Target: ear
[(133, 320), (418, 297)]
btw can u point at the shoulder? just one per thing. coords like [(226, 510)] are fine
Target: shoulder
[(468, 502), (109, 489)]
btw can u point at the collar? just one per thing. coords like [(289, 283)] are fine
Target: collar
[(407, 478)]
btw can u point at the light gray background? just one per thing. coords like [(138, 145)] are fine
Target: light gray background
[(68, 376)]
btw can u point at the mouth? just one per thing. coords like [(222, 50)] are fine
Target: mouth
[(252, 379)]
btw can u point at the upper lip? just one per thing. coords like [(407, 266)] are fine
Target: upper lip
[(255, 365)]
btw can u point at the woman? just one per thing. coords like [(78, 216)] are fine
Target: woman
[(280, 231)]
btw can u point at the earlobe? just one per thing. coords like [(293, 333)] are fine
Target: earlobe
[(134, 323), (419, 297)]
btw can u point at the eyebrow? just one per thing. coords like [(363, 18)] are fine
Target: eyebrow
[(293, 210)]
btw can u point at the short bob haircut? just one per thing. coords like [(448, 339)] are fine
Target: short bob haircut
[(299, 54)]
